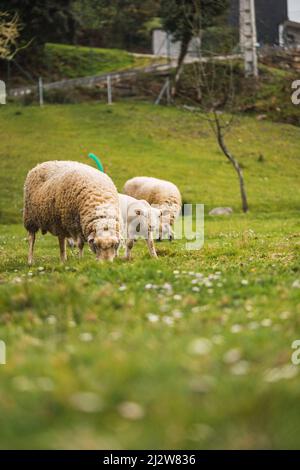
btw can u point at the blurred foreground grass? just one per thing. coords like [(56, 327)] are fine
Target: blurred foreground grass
[(190, 351)]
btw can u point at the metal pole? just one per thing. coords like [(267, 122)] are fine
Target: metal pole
[(109, 92), (41, 94)]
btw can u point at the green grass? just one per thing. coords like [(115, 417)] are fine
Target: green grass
[(62, 61), (79, 348)]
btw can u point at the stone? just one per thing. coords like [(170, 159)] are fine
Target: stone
[(221, 211)]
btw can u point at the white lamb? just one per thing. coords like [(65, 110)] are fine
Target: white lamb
[(139, 220), (161, 194), (72, 200)]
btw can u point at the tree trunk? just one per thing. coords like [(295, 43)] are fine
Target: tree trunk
[(236, 166), (180, 63)]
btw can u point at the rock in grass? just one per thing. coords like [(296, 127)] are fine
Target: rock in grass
[(221, 211)]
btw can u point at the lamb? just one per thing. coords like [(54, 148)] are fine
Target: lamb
[(139, 219), (161, 194), (72, 200)]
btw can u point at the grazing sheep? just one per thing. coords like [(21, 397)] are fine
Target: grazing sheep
[(139, 219), (72, 200), (161, 194)]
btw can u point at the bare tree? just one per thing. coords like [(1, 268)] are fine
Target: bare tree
[(214, 89), (10, 28), (220, 130)]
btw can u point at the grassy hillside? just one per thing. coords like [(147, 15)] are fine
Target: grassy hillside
[(190, 351), (60, 61)]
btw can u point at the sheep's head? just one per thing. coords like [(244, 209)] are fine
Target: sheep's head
[(104, 247), (138, 219), (164, 221), (104, 239)]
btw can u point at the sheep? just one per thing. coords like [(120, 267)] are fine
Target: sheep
[(139, 219), (161, 194), (72, 200)]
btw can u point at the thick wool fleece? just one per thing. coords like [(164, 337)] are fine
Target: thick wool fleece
[(159, 193), (70, 199)]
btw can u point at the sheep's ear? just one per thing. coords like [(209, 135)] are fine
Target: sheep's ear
[(138, 212)]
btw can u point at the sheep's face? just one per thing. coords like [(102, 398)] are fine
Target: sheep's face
[(105, 248), (166, 223), (137, 220), (155, 220)]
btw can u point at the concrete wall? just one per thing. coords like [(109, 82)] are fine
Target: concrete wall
[(164, 45)]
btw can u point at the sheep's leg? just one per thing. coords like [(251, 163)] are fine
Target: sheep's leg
[(151, 246), (80, 245), (31, 239), (129, 246), (62, 248)]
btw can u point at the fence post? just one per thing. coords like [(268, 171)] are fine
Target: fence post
[(168, 91), (109, 93), (41, 94)]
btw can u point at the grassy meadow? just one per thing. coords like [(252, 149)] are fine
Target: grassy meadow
[(192, 350)]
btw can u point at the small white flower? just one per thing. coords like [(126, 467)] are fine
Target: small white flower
[(148, 286), (232, 356), (208, 283), (196, 289), (236, 328), (51, 320), (131, 410), (168, 320), (177, 297), (71, 323), (167, 286), (196, 309), (244, 282), (122, 288), (240, 368), (176, 271), (253, 325), (284, 315), (200, 346), (266, 322), (41, 268), (152, 317), (86, 337), (87, 402), (177, 314), (296, 284)]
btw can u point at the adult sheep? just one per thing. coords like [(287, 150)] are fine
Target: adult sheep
[(161, 194), (72, 200)]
